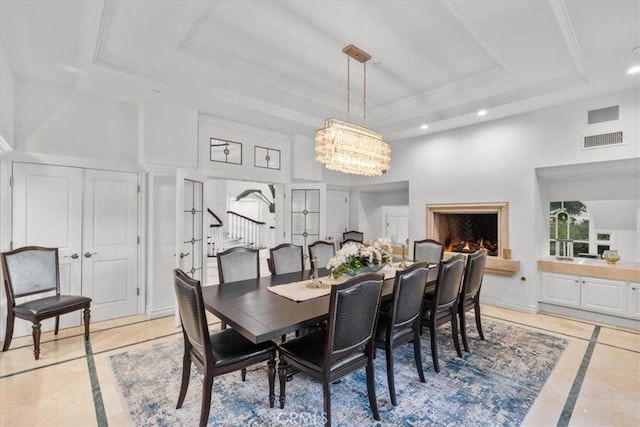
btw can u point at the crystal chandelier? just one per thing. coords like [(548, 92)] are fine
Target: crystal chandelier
[(346, 147)]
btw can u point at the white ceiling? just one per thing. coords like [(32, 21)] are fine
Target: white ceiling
[(279, 64)]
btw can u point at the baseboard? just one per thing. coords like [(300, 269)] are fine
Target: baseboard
[(509, 305), (162, 312), (600, 318)]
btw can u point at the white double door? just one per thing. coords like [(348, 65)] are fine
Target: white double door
[(91, 216)]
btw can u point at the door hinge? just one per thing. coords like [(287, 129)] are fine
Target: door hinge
[(138, 188), (345, 200), (138, 291), (10, 245), (10, 181), (138, 239)]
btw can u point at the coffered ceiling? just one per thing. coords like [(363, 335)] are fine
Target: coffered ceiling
[(279, 64)]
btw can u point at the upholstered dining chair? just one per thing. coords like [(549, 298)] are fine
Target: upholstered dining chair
[(358, 236), (321, 252), (344, 242), (442, 306), (237, 264), (401, 324), (286, 258), (428, 250), (470, 293), (347, 344), (33, 270), (216, 354)]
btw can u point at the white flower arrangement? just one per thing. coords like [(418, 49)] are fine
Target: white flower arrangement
[(353, 257)]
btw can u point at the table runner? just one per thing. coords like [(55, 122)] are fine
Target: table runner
[(300, 291)]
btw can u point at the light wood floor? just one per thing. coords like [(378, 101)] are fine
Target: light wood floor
[(595, 383)]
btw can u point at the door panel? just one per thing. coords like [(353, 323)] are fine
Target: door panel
[(110, 248), (338, 220), (47, 211), (190, 248), (305, 215), (397, 228)]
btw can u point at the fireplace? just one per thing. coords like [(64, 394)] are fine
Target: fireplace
[(467, 227)]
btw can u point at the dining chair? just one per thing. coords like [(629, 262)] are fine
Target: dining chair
[(358, 236), (33, 270), (470, 293), (428, 250), (347, 344), (237, 264), (442, 306), (286, 258), (321, 252), (214, 354), (401, 324)]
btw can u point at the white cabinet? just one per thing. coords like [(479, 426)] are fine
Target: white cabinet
[(633, 300), (561, 289), (590, 293), (603, 295)]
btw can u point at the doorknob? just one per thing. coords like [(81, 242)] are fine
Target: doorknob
[(89, 254), (182, 254), (72, 256)]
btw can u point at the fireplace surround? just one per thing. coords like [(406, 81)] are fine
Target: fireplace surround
[(466, 227)]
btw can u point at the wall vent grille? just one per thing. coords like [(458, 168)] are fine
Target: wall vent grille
[(603, 140), (603, 115)]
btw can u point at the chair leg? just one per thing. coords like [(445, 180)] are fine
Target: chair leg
[(478, 323), (223, 325), (434, 347), (184, 385), (87, 321), (55, 332), (326, 398), (417, 354), (454, 332), (282, 375), (8, 335), (463, 329), (271, 364), (36, 339), (390, 376), (243, 374), (207, 386), (371, 390)]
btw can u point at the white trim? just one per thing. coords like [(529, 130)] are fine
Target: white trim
[(4, 146), (590, 316), (85, 163), (162, 312), (510, 305)]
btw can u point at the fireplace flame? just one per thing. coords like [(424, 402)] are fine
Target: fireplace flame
[(466, 246)]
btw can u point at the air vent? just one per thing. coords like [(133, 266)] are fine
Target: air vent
[(603, 115), (604, 140)]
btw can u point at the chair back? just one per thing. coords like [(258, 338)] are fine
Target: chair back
[(30, 270), (237, 264), (408, 293), (358, 236), (449, 282), (473, 275), (428, 250), (322, 252), (286, 258), (353, 313), (192, 315)]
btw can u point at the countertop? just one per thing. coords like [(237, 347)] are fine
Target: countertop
[(626, 271)]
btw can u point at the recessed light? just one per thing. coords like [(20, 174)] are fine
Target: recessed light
[(634, 70), (482, 112), (425, 126)]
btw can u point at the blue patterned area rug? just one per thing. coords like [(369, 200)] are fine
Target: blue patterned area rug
[(495, 384)]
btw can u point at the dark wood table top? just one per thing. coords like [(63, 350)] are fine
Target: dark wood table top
[(260, 315)]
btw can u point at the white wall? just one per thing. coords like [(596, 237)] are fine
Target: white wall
[(496, 161), (60, 121), (7, 101), (170, 135)]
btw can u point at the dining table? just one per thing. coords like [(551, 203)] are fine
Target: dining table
[(260, 315)]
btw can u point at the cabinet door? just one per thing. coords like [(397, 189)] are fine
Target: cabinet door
[(603, 295), (561, 289), (633, 300)]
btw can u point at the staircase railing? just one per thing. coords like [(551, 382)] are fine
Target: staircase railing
[(248, 230), (214, 237)]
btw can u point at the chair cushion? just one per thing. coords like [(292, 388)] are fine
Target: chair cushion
[(308, 350), (50, 306), (230, 347)]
